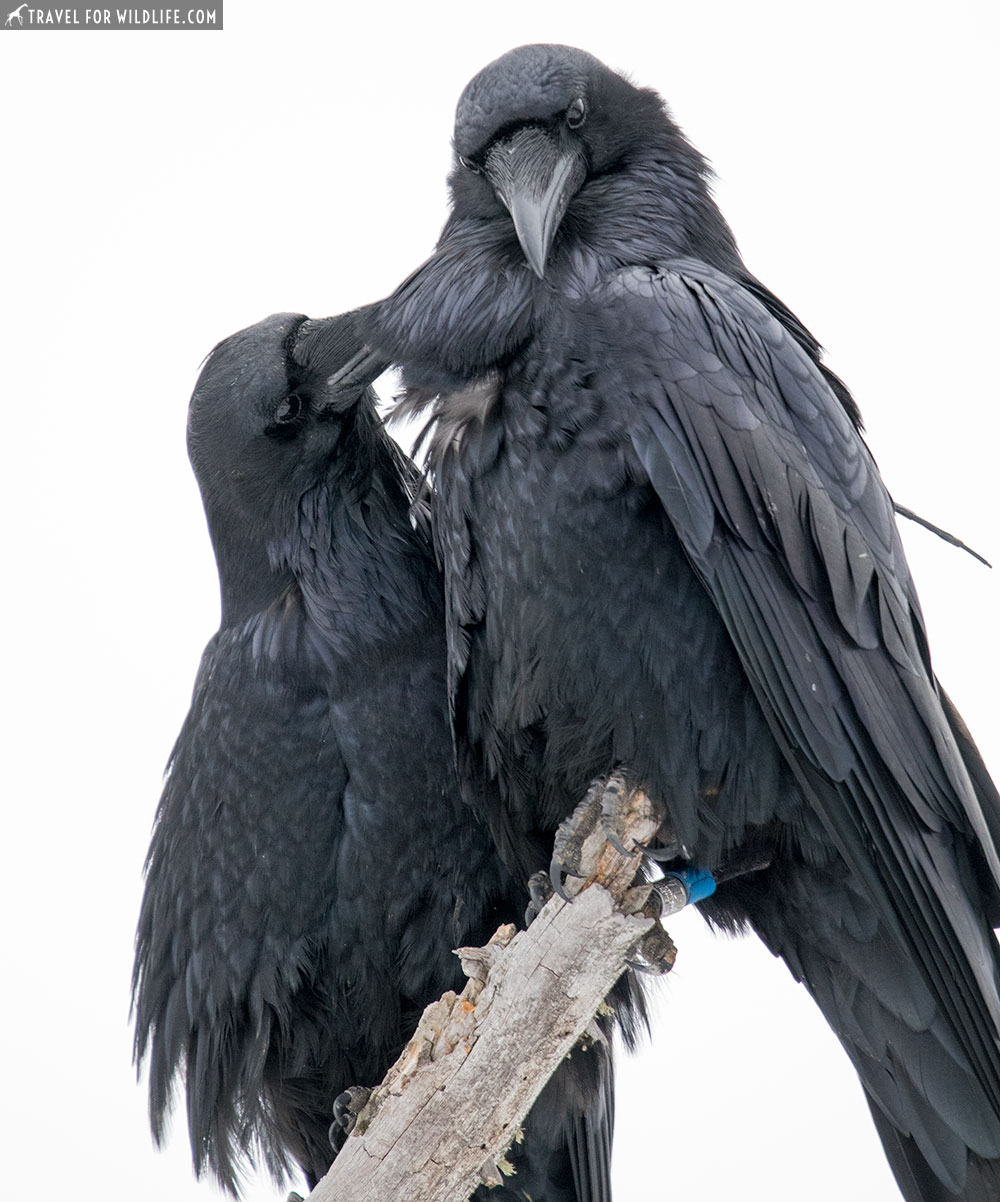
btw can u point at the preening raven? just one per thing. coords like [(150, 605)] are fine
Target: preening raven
[(312, 863), (667, 548)]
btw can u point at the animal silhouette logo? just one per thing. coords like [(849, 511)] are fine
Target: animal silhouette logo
[(16, 12)]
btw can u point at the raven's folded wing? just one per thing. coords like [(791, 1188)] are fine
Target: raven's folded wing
[(223, 935), (784, 517)]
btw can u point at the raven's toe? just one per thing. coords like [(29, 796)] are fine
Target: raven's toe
[(346, 1108)]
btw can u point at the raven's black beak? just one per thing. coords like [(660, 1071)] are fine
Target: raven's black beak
[(336, 345), (536, 177)]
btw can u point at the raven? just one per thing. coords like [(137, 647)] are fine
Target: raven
[(667, 549), (313, 863)]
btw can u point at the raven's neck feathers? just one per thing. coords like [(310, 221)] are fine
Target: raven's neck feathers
[(365, 570), (248, 581), (352, 574), (655, 206)]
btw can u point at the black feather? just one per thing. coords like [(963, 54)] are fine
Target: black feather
[(667, 546), (313, 863)]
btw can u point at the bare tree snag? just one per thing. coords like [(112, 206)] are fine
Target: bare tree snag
[(441, 1122)]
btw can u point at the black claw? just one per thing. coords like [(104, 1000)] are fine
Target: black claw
[(660, 855), (556, 873), (617, 844), (342, 1115)]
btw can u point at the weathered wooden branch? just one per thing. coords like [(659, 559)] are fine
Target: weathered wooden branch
[(442, 1120)]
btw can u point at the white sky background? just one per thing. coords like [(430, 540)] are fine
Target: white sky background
[(162, 190)]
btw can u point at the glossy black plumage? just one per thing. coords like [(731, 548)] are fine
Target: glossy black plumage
[(666, 546), (312, 863)]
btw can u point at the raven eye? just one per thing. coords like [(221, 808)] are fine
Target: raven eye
[(289, 409), (576, 114), (468, 164)]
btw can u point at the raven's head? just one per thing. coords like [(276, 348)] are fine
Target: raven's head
[(545, 131), (564, 173), (266, 426)]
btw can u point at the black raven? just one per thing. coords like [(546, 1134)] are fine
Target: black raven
[(312, 863), (667, 548)]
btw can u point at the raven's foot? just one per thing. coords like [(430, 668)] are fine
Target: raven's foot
[(655, 952), (539, 891), (346, 1108), (574, 834), (614, 811)]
